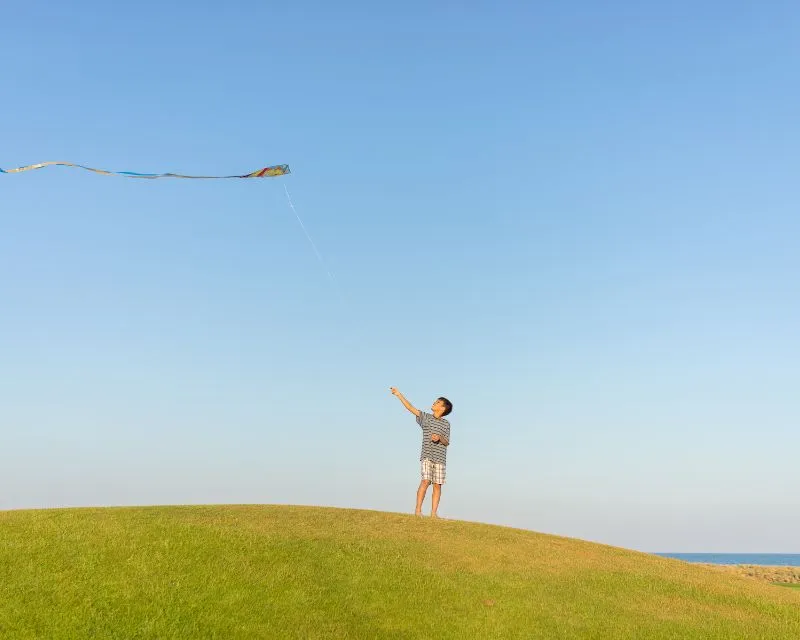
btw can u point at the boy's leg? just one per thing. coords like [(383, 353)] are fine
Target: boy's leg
[(421, 491), (425, 472), (437, 494), (437, 477)]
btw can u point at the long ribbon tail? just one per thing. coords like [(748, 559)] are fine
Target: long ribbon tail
[(266, 172)]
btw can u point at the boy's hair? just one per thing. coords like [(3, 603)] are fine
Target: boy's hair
[(448, 406)]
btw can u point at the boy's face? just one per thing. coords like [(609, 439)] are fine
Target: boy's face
[(438, 408)]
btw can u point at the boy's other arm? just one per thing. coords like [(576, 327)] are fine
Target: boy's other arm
[(440, 439), (405, 402)]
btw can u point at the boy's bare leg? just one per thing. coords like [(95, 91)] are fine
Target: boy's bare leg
[(437, 494), (423, 489)]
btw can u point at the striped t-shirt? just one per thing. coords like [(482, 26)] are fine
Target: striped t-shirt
[(433, 451)]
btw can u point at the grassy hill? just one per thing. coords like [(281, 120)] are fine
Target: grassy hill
[(297, 572)]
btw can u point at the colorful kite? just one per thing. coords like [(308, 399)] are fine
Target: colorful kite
[(266, 172)]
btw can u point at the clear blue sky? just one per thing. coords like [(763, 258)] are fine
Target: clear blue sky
[(579, 221)]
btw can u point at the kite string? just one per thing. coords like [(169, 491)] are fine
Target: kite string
[(310, 241)]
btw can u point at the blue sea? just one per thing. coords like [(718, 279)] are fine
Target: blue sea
[(771, 559)]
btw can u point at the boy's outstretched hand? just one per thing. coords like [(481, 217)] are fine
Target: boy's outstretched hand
[(395, 392)]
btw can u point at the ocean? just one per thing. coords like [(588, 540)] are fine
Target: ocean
[(771, 559)]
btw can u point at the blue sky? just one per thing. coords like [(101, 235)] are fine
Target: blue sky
[(579, 222)]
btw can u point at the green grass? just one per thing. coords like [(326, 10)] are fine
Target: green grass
[(301, 572)]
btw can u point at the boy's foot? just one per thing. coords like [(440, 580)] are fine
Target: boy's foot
[(418, 514), (433, 515)]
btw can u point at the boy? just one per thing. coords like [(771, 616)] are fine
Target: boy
[(433, 456)]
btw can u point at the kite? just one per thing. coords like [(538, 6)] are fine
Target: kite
[(266, 172)]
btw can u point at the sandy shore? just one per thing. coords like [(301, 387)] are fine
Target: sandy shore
[(786, 575)]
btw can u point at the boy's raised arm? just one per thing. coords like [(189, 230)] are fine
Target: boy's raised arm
[(405, 402)]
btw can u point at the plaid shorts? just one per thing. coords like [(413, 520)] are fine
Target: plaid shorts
[(432, 471)]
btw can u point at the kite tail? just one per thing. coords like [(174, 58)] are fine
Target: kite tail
[(266, 172)]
